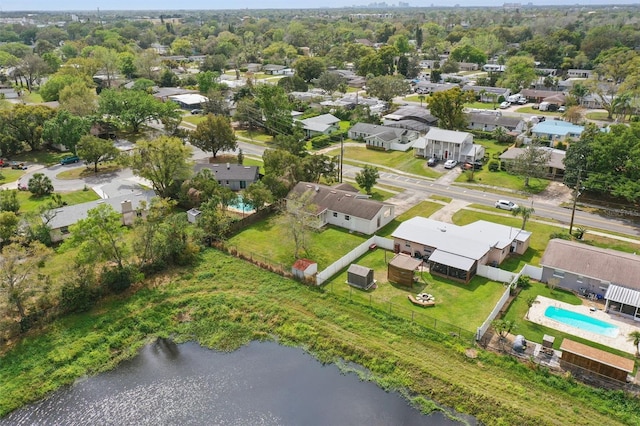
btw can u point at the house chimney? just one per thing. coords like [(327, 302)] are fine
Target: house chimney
[(126, 206)]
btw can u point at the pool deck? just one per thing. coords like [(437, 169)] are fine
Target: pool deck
[(625, 325)]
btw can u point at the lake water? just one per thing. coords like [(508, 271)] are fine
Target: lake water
[(259, 384)]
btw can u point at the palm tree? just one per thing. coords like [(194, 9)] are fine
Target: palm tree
[(531, 300), (635, 337), (525, 212)]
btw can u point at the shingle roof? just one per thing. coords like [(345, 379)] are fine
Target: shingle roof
[(593, 262), (229, 171), (556, 158), (453, 136), (345, 202), (69, 215)]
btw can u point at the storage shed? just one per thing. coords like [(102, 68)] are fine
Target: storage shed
[(595, 360), (401, 269), (360, 276), (304, 269)]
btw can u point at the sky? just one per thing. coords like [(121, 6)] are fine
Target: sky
[(66, 5)]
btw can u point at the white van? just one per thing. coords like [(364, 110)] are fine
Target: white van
[(544, 106)]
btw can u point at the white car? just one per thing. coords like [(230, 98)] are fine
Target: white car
[(506, 205), (505, 105), (450, 164)]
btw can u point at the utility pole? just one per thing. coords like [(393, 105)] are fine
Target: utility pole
[(575, 200), (341, 155)]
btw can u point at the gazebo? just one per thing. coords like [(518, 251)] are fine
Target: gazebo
[(401, 268)]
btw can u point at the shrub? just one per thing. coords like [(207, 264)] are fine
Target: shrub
[(494, 165), (320, 142), (77, 298), (40, 185), (9, 201), (119, 279)]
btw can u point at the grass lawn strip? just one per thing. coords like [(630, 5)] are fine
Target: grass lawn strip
[(225, 303)]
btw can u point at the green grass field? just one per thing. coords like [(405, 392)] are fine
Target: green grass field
[(9, 175), (29, 203)]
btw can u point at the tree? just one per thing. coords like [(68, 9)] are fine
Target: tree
[(298, 219), (170, 116), (8, 226), (329, 81), (108, 60), (99, 237), (25, 123), (9, 200), (65, 129), (468, 53), (367, 177), (32, 67), (315, 167), (578, 154), (131, 108), (574, 114), (520, 73), (40, 185), (214, 134), (531, 300), (387, 87), (503, 327), (20, 278), (257, 195), (147, 63), (50, 91), (164, 161), (634, 337), (309, 68), (275, 108), (525, 212), (532, 163), (95, 150), (448, 106), (79, 99)]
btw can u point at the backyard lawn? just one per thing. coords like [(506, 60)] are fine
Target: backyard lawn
[(424, 209), (269, 239), (459, 305), (404, 161), (255, 136), (517, 312)]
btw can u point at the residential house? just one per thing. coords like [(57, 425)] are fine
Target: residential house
[(493, 68), (467, 66), (128, 205), (346, 209), (487, 93), (232, 176), (557, 99), (595, 272), (271, 69), (383, 137), (427, 88), (189, 101), (556, 131), (555, 163), (448, 145), (537, 96), (411, 118), (456, 251), (595, 101), (324, 124), (490, 122), (578, 73)]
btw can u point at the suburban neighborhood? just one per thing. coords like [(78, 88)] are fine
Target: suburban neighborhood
[(417, 194)]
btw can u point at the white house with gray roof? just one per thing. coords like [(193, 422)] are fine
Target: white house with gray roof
[(456, 251), (128, 205), (233, 176), (324, 124), (383, 137), (346, 209), (448, 145)]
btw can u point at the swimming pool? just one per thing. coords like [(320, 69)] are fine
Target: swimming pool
[(239, 205), (581, 321)]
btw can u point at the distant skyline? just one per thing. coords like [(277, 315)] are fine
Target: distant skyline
[(87, 5)]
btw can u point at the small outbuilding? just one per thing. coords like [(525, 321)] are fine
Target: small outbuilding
[(595, 360), (401, 269), (304, 269), (360, 276), (193, 215)]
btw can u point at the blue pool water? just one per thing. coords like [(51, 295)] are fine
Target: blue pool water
[(583, 322), (239, 205)]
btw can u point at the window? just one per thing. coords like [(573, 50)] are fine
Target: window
[(407, 244), (243, 184), (64, 230), (335, 214), (347, 217), (558, 274)]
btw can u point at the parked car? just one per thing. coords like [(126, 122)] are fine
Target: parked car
[(562, 109), (70, 159), (196, 111), (505, 105), (18, 166), (522, 101), (476, 165), (431, 162), (506, 205), (450, 164)]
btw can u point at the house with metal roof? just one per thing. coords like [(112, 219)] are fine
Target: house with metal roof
[(456, 251), (490, 122), (410, 117), (596, 272), (556, 131), (189, 100), (323, 124), (383, 137), (346, 209), (232, 176), (128, 205)]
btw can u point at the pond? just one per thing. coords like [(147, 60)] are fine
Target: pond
[(261, 383)]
